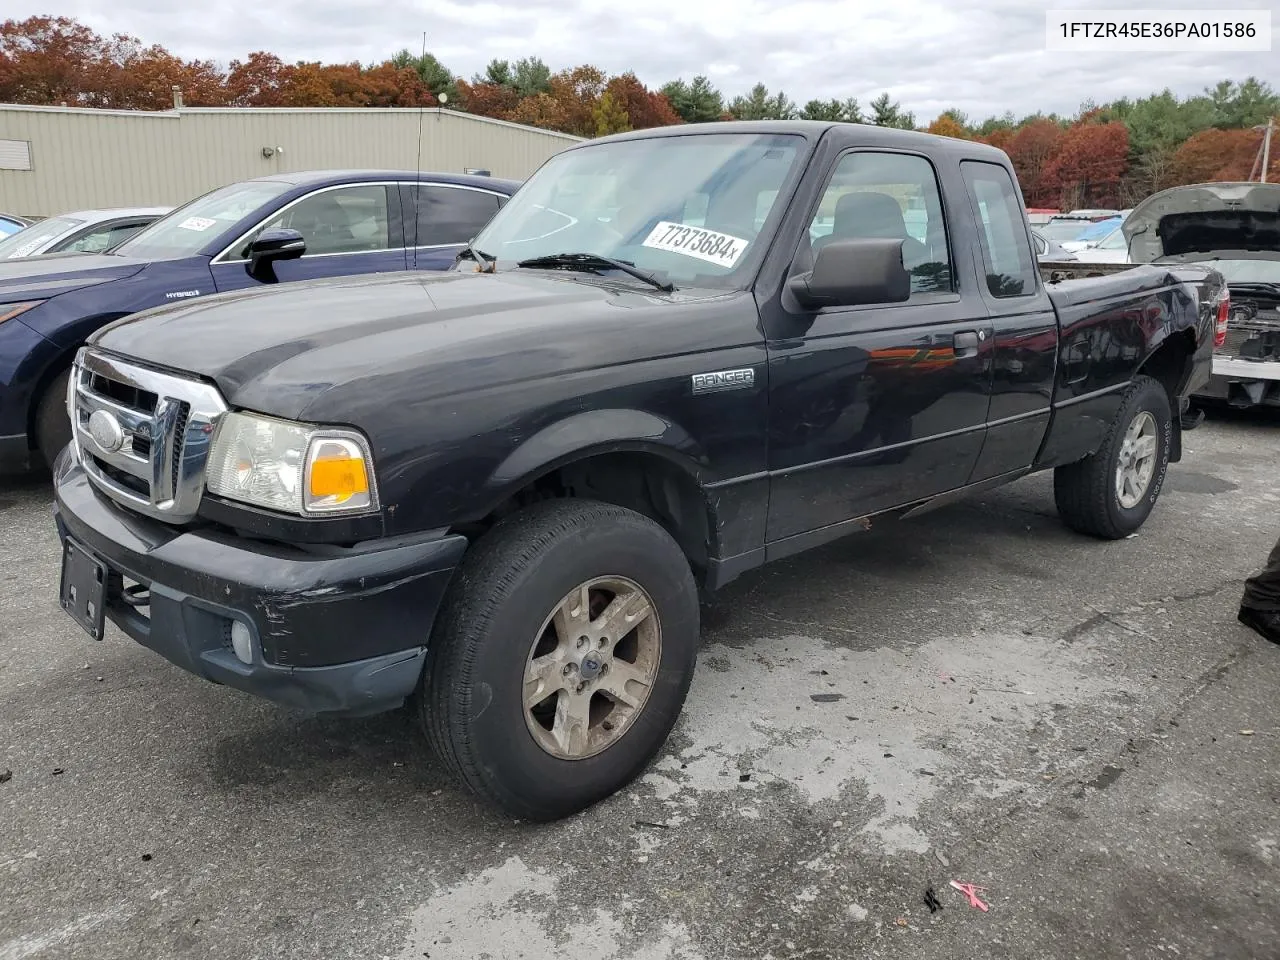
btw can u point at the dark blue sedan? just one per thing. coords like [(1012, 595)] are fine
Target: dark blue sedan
[(286, 227)]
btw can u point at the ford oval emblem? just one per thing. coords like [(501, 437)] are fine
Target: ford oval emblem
[(106, 431)]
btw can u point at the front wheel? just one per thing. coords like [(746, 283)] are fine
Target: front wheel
[(53, 424), (562, 657), (1111, 493)]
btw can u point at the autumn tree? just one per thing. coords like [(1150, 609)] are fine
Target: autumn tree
[(540, 110), (644, 107), (1000, 138), (389, 86), (576, 91), (697, 101), (1089, 164), (1222, 155), (48, 60), (947, 126), (257, 81), (435, 76), (1031, 149), (484, 99)]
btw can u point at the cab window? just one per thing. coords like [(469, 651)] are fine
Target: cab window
[(1010, 268), (346, 220), (894, 196)]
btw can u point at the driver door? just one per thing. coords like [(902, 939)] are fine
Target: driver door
[(350, 229)]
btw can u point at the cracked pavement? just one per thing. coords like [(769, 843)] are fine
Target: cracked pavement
[(976, 695)]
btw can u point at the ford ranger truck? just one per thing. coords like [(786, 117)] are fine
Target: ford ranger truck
[(496, 492)]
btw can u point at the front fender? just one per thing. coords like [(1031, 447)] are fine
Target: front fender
[(595, 432)]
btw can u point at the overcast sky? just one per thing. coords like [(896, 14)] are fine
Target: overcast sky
[(983, 56)]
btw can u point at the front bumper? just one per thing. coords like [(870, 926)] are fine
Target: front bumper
[(333, 631), (1243, 383)]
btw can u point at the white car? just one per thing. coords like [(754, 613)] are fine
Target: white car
[(1113, 248), (84, 231)]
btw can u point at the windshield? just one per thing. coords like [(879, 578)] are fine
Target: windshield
[(1063, 231), (27, 241), (1115, 241), (189, 229), (1097, 231), (687, 208)]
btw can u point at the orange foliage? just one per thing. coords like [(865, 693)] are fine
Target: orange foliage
[(1090, 160), (946, 126), (488, 99), (1031, 149), (646, 108), (1223, 155)]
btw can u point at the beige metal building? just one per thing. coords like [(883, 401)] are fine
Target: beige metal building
[(55, 159)]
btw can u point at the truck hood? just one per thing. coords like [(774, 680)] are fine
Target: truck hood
[(278, 350), (38, 278), (1204, 218)]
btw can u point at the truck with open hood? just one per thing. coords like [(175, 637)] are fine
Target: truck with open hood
[(675, 355), (1235, 229)]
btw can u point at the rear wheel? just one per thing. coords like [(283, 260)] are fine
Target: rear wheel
[(1111, 493), (562, 657), (53, 425)]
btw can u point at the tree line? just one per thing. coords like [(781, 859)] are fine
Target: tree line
[(1109, 154)]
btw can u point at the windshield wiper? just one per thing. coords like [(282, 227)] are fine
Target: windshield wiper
[(595, 263), (487, 263)]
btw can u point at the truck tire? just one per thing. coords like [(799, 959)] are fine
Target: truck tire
[(1110, 493), (53, 426), (533, 698)]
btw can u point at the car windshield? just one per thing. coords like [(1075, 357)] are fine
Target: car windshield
[(687, 208), (1063, 231), (189, 229), (26, 241), (1096, 231), (1115, 240)]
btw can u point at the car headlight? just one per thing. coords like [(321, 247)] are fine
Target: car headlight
[(292, 467)]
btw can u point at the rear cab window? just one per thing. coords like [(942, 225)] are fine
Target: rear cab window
[(1009, 267)]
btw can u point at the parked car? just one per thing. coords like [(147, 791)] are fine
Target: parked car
[(1067, 227), (9, 224), (83, 231), (1095, 233), (275, 229), (1047, 249), (497, 490), (1038, 216), (1113, 248), (1235, 228)]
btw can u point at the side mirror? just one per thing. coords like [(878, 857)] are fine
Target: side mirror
[(270, 246), (850, 273)]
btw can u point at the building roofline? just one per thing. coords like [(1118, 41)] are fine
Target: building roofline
[(241, 111)]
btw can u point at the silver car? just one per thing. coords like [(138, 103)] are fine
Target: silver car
[(84, 231)]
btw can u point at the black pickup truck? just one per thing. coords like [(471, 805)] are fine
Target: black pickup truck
[(675, 355)]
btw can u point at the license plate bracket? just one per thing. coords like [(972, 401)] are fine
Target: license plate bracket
[(83, 591)]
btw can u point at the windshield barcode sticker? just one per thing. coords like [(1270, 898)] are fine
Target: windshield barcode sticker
[(709, 245), (197, 223)]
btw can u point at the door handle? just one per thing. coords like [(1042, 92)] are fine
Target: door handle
[(966, 343)]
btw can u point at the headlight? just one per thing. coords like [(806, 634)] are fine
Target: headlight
[(10, 310), (292, 467)]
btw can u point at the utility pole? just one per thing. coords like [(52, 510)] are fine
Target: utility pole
[(1266, 147)]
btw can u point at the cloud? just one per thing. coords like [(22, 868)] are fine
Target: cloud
[(984, 57)]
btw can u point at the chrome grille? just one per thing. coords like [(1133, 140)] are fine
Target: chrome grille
[(153, 433)]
